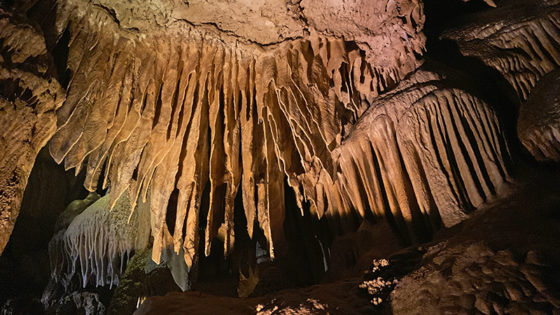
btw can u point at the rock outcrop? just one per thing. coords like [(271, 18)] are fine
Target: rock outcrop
[(29, 97), (520, 39), (538, 124)]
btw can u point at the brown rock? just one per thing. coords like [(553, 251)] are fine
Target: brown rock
[(538, 124), (513, 292), (482, 306), (512, 38), (29, 97), (176, 97)]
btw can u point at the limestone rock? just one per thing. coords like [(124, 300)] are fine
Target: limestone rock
[(96, 243), (139, 282), (520, 39), (29, 96), (184, 98), (424, 151), (164, 90), (538, 124)]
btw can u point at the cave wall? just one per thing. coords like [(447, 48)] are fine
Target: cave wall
[(29, 97), (24, 264)]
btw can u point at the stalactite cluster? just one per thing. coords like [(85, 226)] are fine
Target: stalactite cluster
[(185, 112), (246, 147), (427, 151), (98, 242), (60, 261), (158, 101), (539, 119), (521, 40)]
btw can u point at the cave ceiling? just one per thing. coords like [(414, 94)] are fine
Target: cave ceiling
[(211, 99)]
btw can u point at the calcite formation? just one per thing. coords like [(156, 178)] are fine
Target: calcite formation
[(520, 39), (98, 242), (424, 153), (60, 261), (266, 129), (176, 103), (186, 99)]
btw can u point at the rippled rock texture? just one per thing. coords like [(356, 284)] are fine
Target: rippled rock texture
[(520, 39)]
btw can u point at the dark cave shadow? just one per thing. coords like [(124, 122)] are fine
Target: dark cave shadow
[(24, 264)]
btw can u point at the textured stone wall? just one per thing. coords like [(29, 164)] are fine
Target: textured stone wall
[(29, 97)]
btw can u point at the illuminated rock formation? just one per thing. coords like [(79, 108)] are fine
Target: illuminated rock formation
[(173, 98), (427, 151), (196, 104), (60, 261), (521, 40), (98, 242), (29, 96), (245, 137)]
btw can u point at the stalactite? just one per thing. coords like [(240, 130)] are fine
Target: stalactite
[(525, 49), (520, 39), (60, 262), (426, 151), (165, 104), (183, 112), (211, 115), (98, 241)]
